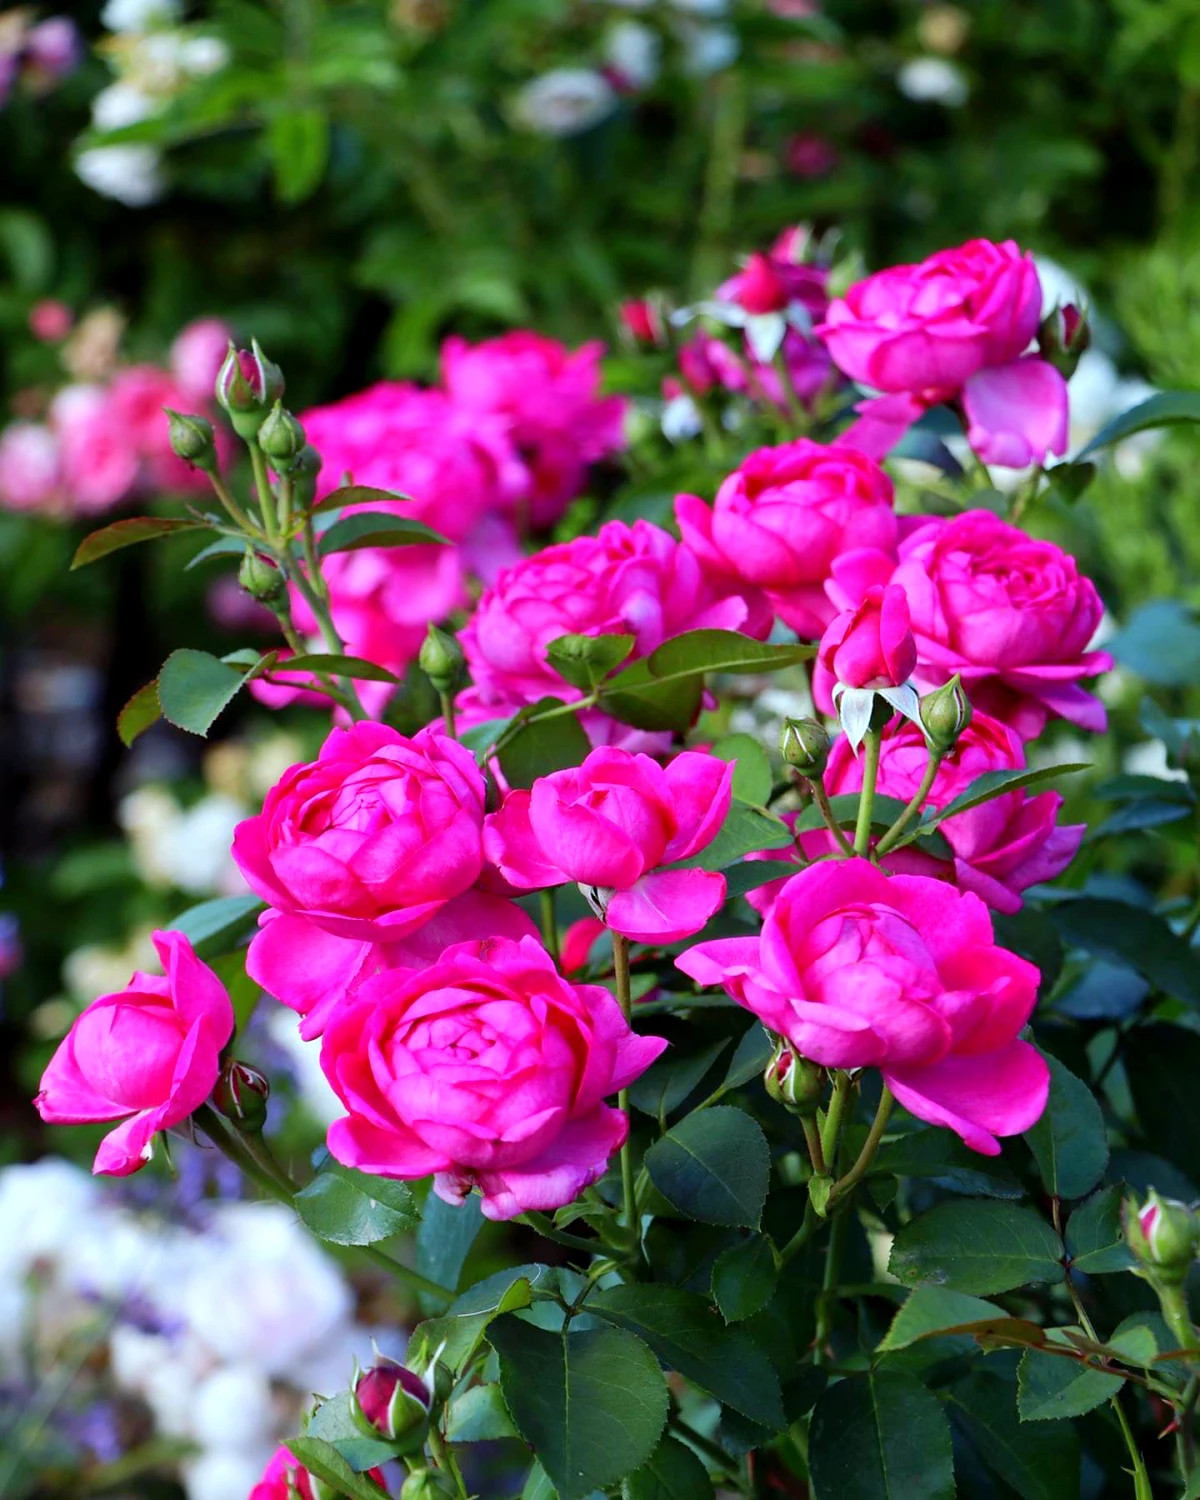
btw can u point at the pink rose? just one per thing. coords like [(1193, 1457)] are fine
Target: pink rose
[(312, 971), (870, 645), (274, 1485), (50, 320), (136, 401), (549, 399), (610, 824), (958, 322), (373, 838), (781, 518), (29, 466), (488, 1069), (860, 969), (148, 1056), (1010, 613), (197, 355), (1000, 848), (627, 580), (453, 465), (99, 459)]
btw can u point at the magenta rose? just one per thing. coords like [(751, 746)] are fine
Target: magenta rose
[(147, 1056), (958, 322), (610, 825), (548, 397), (370, 840), (312, 970), (285, 1478), (627, 580), (487, 1069), (781, 518), (1010, 613), (861, 969), (870, 645)]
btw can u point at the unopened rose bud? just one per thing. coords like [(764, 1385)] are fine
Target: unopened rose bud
[(1063, 337), (441, 659), (428, 1484), (643, 321), (248, 386), (281, 438), (241, 1095), (946, 714), (1163, 1235), (192, 440), (260, 579), (793, 1080), (804, 745), (394, 1403), (305, 468)]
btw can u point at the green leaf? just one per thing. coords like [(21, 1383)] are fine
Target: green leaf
[(334, 1422), (750, 1057), (978, 1246), (1161, 410), (586, 660), (1095, 1241), (939, 1155), (139, 713), (545, 739), (713, 1166), (479, 1416), (752, 779), (337, 666), (744, 831), (193, 688), (216, 926), (1161, 643), (753, 873), (664, 1086), (1051, 1387), (744, 1278), (688, 1337), (445, 1237), (120, 534), (353, 494), (375, 528), (298, 139), (1039, 1463), (224, 546), (672, 1472), (1133, 936), (635, 696), (347, 1207), (930, 1311), (324, 1461), (592, 1406), (1069, 1142), (461, 1328), (995, 784), (880, 1436)]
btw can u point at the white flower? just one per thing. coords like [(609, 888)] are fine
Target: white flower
[(202, 55), (564, 101), (933, 80), (140, 15), (233, 1409), (634, 51), (41, 1207), (121, 104), (130, 174), (681, 419), (217, 1475), (707, 49)]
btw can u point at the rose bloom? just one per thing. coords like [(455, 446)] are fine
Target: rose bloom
[(488, 1069), (100, 463), (147, 1056), (781, 518), (371, 839), (610, 824), (274, 1485), (861, 969), (312, 971), (453, 465), (870, 645), (136, 399), (627, 580), (1011, 614), (548, 397), (999, 848), (29, 466)]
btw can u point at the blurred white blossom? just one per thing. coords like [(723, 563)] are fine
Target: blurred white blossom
[(565, 101)]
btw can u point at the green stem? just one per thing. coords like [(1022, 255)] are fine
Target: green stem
[(550, 925), (236, 513), (624, 1000), (808, 1228), (449, 722), (312, 596), (262, 486), (544, 1226), (866, 798), (846, 1185), (890, 838), (812, 1139), (831, 1131), (828, 1294), (702, 1444), (821, 798), (444, 1459)]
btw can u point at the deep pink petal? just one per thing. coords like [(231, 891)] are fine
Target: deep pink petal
[(1017, 413), (979, 1097), (666, 905)]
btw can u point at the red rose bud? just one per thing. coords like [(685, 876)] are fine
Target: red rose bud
[(1163, 1235), (248, 386), (758, 287), (395, 1403), (642, 321), (241, 1095), (792, 1080), (1063, 336)]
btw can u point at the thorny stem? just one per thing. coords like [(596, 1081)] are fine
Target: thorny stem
[(892, 836), (624, 1000), (866, 799)]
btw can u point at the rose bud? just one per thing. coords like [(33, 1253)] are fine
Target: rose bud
[(1163, 1235), (248, 386), (642, 321), (281, 438), (394, 1403), (191, 439), (804, 745), (260, 579), (871, 646), (241, 1095), (757, 288), (1063, 337), (792, 1080), (428, 1484), (303, 473), (945, 714), (441, 659)]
